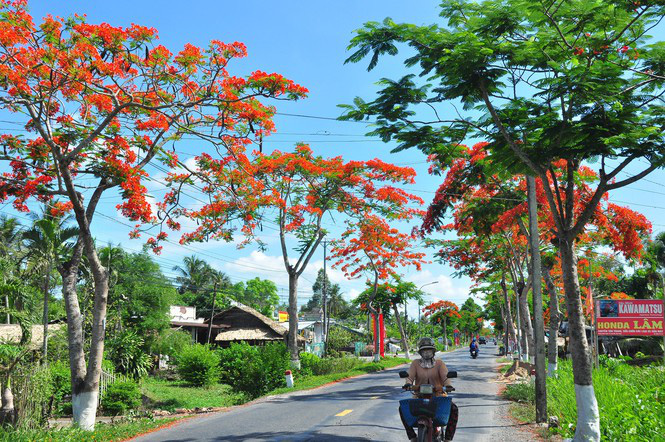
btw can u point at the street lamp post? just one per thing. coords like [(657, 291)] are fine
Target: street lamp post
[(420, 303)]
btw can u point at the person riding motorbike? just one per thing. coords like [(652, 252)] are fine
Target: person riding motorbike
[(427, 370), (473, 346)]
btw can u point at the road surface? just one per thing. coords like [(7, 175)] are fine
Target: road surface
[(362, 408)]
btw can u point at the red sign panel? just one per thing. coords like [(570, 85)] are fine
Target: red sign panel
[(633, 317)]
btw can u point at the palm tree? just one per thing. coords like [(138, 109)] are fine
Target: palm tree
[(197, 276), (48, 244), (10, 235)]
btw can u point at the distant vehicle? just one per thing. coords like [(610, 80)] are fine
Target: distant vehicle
[(482, 340)]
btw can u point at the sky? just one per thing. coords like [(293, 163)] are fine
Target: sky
[(305, 42)]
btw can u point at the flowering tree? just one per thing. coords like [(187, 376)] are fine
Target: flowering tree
[(371, 247), (100, 103), (390, 295), (565, 80), (292, 191), (440, 311)]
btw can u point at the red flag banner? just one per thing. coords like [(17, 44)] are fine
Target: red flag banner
[(629, 317)]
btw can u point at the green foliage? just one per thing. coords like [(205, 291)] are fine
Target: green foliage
[(339, 338), (121, 397), (521, 392), (170, 342), (336, 365), (198, 365), (307, 363), (260, 294), (103, 432), (338, 307), (32, 387), (631, 400), (138, 297), (126, 352), (61, 383), (254, 370)]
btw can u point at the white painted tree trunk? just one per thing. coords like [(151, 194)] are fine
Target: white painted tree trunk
[(84, 409), (588, 418)]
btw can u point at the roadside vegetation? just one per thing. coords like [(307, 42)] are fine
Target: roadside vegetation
[(118, 431), (631, 400)]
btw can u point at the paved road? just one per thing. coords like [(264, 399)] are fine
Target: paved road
[(362, 408)]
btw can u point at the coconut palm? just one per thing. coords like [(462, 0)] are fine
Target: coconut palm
[(48, 243), (199, 279)]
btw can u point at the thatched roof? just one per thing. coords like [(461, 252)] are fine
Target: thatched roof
[(11, 334), (247, 324)]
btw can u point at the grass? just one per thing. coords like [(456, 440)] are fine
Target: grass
[(631, 401), (103, 432), (169, 395), (507, 363)]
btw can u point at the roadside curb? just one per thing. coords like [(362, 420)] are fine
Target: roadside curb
[(176, 421)]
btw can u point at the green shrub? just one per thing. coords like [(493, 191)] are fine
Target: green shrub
[(62, 388), (121, 397), (307, 363), (336, 365), (198, 365), (254, 370), (521, 392), (126, 351), (171, 342), (338, 338)]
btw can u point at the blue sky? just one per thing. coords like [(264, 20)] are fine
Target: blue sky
[(306, 42)]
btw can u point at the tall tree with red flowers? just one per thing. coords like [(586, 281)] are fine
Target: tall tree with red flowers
[(440, 311), (294, 193), (371, 247), (100, 103), (540, 81)]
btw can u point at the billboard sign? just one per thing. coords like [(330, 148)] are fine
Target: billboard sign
[(629, 317)]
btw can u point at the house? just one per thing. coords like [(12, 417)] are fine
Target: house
[(184, 318), (242, 323)]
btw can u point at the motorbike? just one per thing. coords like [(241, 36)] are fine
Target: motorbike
[(427, 412), (474, 353)]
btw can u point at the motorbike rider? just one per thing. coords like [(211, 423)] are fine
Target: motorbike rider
[(428, 370), (473, 346)]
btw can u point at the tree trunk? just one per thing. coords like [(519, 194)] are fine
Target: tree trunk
[(536, 278), (292, 337), (69, 272), (401, 331), (552, 348), (47, 283), (528, 343), (7, 411), (510, 327), (445, 333), (588, 420), (87, 397)]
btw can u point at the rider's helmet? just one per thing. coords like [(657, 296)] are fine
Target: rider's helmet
[(474, 339), (426, 343)]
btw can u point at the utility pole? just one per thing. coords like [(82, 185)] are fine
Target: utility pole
[(212, 311)]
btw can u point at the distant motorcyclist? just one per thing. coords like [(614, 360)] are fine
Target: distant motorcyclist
[(473, 346), (427, 370)]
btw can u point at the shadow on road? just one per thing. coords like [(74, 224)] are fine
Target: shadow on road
[(351, 394), (280, 436)]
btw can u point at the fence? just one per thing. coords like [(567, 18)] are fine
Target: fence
[(316, 348), (106, 379)]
